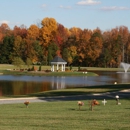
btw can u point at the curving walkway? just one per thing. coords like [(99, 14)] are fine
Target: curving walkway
[(124, 94)]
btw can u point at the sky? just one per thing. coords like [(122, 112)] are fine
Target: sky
[(84, 14)]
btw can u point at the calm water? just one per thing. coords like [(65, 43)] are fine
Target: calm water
[(20, 85)]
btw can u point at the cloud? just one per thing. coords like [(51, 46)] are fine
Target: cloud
[(4, 21), (65, 7), (113, 8), (88, 2), (44, 6)]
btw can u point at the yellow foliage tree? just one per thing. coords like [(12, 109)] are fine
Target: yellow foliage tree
[(17, 45), (48, 30), (33, 32)]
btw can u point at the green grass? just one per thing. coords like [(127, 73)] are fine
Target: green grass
[(8, 72), (7, 66), (65, 116), (82, 90), (5, 69)]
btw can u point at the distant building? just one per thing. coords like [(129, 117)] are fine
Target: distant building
[(59, 63)]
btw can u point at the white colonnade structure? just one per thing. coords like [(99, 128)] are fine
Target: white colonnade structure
[(59, 63)]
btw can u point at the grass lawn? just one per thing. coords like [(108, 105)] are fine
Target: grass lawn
[(8, 67), (13, 70), (80, 90), (65, 116)]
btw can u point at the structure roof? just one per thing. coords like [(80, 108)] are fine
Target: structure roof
[(58, 59)]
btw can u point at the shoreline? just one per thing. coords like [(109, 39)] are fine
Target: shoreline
[(123, 94)]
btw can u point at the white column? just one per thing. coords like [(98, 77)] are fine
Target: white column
[(52, 68), (57, 66), (62, 69)]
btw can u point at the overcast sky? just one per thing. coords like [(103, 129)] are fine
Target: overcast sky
[(89, 14)]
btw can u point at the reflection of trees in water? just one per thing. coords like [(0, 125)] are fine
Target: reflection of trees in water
[(0, 91), (5, 87), (22, 88)]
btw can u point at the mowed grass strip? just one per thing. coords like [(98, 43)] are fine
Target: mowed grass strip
[(65, 116), (81, 90)]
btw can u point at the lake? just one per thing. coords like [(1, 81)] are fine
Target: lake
[(21, 85)]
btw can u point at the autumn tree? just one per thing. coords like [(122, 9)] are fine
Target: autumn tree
[(128, 49), (94, 46), (33, 44), (62, 35), (78, 47), (1, 36), (112, 48), (17, 46), (47, 34), (33, 32), (83, 42), (106, 55), (75, 32), (21, 31), (124, 33), (48, 31), (4, 31), (4, 28)]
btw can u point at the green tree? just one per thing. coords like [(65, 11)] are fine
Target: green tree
[(40, 68), (38, 51), (52, 49), (65, 54), (6, 50), (28, 62), (49, 58), (17, 61)]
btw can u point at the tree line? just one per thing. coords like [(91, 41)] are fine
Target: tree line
[(78, 47)]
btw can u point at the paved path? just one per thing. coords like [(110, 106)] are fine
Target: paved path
[(109, 95)]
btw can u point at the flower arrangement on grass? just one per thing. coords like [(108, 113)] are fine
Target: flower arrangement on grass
[(80, 103), (26, 103), (93, 103)]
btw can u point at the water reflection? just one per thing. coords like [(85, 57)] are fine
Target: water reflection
[(21, 85), (58, 82), (22, 88)]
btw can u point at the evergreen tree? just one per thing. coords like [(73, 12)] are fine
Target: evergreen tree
[(6, 50)]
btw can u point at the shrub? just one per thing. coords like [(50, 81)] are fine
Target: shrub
[(47, 70), (40, 68), (83, 70)]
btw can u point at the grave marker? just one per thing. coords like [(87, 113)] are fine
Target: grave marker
[(104, 102)]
